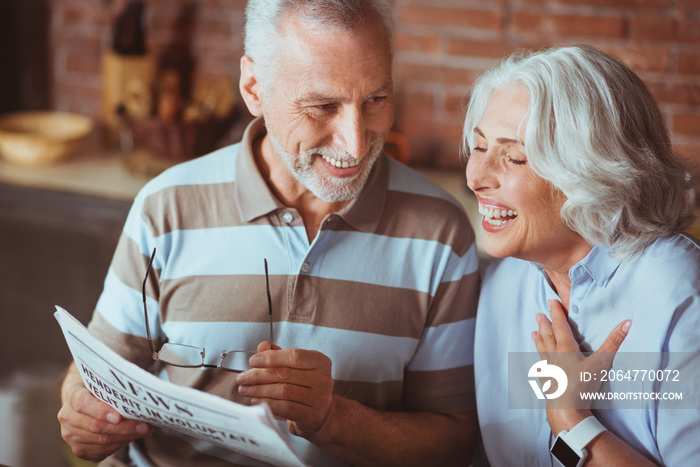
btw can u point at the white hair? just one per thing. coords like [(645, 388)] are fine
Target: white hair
[(265, 17), (597, 135)]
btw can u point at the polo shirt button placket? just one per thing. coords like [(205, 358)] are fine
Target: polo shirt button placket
[(305, 267), (287, 217)]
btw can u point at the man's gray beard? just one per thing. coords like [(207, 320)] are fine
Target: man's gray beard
[(332, 189)]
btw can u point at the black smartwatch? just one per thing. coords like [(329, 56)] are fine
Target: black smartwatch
[(569, 449)]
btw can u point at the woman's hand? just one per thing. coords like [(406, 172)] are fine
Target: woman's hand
[(556, 343)]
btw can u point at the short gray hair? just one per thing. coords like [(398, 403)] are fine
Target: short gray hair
[(264, 18), (596, 134)]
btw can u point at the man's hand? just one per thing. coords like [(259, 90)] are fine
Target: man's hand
[(556, 343), (93, 429), (296, 384)]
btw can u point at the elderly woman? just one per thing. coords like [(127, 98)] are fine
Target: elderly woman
[(572, 166)]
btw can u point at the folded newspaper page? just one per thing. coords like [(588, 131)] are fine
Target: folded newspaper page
[(140, 395)]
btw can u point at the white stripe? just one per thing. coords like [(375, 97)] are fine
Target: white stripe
[(112, 302), (406, 263), (217, 167), (446, 346), (367, 357)]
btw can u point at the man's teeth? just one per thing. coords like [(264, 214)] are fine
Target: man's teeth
[(341, 164), (493, 215)]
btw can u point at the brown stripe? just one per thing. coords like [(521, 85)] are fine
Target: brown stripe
[(456, 300), (449, 390), (192, 207), (424, 217), (380, 396), (336, 304), (132, 348), (129, 264)]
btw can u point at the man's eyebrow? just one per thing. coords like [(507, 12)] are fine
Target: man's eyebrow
[(314, 96), (500, 140)]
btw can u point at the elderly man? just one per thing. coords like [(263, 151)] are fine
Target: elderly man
[(373, 270)]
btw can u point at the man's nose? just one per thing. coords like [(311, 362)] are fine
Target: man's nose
[(351, 133)]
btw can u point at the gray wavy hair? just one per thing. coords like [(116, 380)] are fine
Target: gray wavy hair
[(264, 17), (596, 134)]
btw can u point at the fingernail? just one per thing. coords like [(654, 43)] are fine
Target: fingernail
[(626, 327), (538, 317), (142, 428), (242, 377), (534, 335), (256, 360), (243, 390), (112, 418)]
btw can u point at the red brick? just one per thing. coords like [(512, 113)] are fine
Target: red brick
[(411, 72), (689, 30), (415, 103), (83, 65), (456, 103), (430, 127), (451, 17), (689, 5), (404, 42), (641, 58), (646, 4), (687, 124), (675, 93), (560, 25), (650, 28), (479, 48), (689, 63)]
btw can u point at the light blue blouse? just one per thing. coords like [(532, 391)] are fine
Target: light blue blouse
[(659, 291)]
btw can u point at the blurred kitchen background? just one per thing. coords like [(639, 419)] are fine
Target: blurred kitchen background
[(171, 67)]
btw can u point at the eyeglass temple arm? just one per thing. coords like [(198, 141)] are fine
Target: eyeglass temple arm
[(269, 300), (145, 310)]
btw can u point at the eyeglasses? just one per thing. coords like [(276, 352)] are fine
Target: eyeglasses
[(188, 356)]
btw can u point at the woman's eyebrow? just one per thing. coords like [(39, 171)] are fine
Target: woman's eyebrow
[(499, 140)]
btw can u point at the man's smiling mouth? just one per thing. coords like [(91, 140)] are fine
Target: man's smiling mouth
[(340, 164)]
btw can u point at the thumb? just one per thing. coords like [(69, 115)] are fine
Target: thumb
[(615, 338)]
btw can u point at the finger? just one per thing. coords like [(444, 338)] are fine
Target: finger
[(85, 403), (303, 395), (289, 410), (265, 345), (539, 343), (546, 333), (616, 337), (292, 358), (560, 322)]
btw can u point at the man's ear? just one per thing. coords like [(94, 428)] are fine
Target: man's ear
[(250, 87)]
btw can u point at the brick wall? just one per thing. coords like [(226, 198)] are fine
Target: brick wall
[(441, 46)]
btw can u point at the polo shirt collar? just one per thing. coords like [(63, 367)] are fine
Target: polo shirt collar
[(598, 264), (365, 211), (255, 198), (252, 193)]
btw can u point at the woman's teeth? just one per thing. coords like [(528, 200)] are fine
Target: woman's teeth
[(341, 164), (493, 216)]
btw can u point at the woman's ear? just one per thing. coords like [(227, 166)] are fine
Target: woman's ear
[(250, 87)]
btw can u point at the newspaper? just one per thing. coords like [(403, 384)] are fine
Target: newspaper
[(140, 395)]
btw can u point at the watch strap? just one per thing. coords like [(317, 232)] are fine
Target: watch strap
[(583, 433)]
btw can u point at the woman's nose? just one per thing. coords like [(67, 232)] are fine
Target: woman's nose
[(480, 172)]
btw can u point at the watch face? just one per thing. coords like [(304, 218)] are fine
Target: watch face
[(564, 454)]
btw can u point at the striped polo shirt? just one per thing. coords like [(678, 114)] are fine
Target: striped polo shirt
[(387, 289)]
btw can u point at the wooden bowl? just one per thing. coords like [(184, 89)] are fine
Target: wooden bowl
[(42, 138)]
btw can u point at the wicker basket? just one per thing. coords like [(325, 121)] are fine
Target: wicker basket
[(42, 138), (178, 141)]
